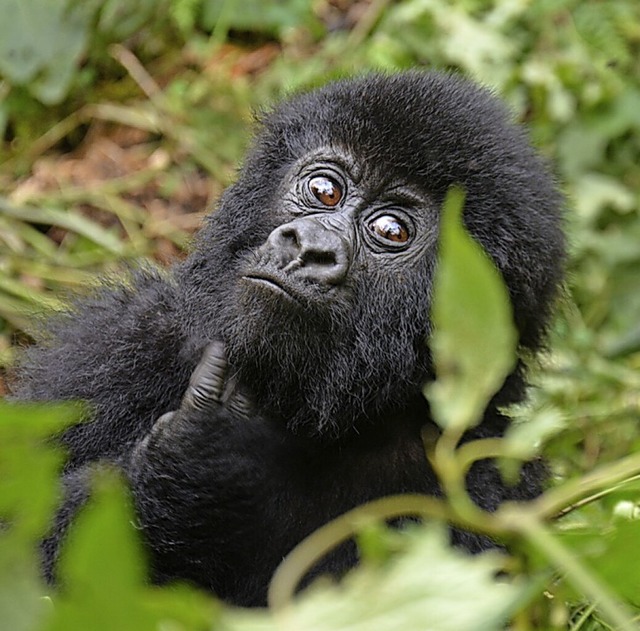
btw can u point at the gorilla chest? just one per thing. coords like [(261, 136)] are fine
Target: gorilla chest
[(286, 489)]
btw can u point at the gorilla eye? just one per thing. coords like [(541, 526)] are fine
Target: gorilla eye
[(325, 190), (390, 229)]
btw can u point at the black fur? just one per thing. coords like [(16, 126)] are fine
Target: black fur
[(335, 373)]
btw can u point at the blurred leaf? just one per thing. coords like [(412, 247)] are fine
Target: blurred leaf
[(476, 45), (474, 339), (267, 16), (22, 603), (526, 436), (29, 468), (28, 494), (41, 42), (120, 19), (595, 192), (103, 573), (101, 566), (71, 221), (614, 555)]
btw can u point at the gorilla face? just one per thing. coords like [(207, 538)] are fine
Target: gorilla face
[(340, 280), (329, 242), (338, 236)]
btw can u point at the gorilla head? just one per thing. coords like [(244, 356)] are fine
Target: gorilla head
[(317, 268)]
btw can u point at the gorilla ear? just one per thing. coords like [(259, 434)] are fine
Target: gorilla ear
[(474, 339)]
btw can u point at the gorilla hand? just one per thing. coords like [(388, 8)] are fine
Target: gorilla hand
[(209, 388), (210, 393), (187, 472)]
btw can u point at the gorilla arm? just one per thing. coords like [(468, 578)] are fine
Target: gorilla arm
[(122, 351), (197, 479), (224, 494)]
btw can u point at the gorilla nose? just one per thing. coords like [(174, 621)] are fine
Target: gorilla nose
[(310, 250)]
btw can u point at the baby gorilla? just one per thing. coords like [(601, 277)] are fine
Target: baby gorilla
[(306, 301)]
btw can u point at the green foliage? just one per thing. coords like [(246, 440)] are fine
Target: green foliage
[(42, 43), (428, 586), (102, 537), (408, 580), (28, 495), (610, 549), (102, 572), (472, 355), (272, 18)]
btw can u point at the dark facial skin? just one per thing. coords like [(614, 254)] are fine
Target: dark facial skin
[(273, 380)]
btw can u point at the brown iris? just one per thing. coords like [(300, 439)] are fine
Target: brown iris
[(390, 229), (325, 190)]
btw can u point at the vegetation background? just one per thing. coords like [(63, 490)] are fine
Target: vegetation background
[(120, 125)]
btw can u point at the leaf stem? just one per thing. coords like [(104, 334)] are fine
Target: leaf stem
[(304, 556), (554, 502), (616, 612)]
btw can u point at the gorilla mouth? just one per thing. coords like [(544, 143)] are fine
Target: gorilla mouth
[(273, 284)]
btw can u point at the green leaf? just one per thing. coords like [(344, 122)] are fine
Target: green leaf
[(474, 340), (102, 566), (119, 19), (41, 44), (29, 492), (22, 604), (273, 17), (28, 466), (70, 221), (595, 192), (103, 573), (533, 429), (613, 554)]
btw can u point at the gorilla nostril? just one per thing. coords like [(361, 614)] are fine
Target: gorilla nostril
[(323, 265), (318, 257), (290, 235)]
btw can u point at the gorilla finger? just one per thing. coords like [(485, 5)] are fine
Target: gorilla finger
[(155, 435), (237, 400), (207, 381), (163, 423), (241, 406)]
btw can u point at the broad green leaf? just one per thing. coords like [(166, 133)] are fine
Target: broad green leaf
[(102, 566), (27, 421), (613, 554), (29, 466), (22, 603), (474, 339), (103, 573), (29, 492), (41, 42)]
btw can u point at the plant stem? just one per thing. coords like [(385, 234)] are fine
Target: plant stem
[(305, 555), (555, 501), (577, 573)]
